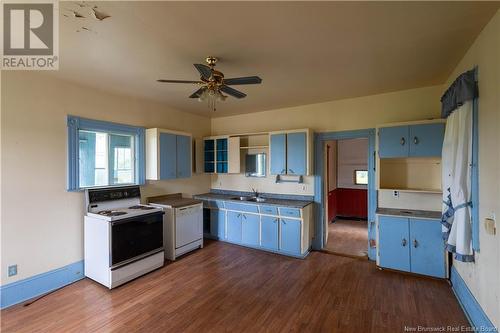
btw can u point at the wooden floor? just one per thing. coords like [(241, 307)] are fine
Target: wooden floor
[(348, 237), (229, 288)]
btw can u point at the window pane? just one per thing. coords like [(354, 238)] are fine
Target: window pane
[(122, 157), (361, 177), (105, 159)]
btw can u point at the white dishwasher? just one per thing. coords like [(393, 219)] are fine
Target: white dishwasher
[(182, 224)]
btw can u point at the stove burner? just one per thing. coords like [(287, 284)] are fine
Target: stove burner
[(141, 207), (111, 213)]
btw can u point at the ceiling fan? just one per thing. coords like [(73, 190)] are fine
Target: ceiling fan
[(213, 84)]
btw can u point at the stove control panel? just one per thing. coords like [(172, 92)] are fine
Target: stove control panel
[(114, 193)]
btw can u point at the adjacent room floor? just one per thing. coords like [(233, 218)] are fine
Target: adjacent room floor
[(225, 287), (348, 237)]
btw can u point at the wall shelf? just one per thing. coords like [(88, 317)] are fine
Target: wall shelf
[(254, 147), (413, 190)]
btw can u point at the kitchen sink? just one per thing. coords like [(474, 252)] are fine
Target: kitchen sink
[(252, 199)]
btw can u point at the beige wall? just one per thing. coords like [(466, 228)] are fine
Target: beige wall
[(352, 155), (483, 276), (348, 114), (42, 223)]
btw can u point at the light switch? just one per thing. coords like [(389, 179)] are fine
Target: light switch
[(489, 225)]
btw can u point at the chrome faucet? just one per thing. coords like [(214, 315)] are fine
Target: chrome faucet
[(255, 193)]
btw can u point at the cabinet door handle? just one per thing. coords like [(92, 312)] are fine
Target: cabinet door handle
[(244, 216), (403, 242), (239, 215), (291, 170), (415, 140), (415, 243), (403, 141), (283, 171), (275, 220)]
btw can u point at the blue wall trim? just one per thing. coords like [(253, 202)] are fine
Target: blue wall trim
[(23, 290), (475, 172), (76, 123), (471, 307), (319, 200)]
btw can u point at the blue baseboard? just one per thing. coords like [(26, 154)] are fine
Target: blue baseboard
[(469, 304), (23, 290)]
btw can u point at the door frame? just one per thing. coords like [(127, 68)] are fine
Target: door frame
[(319, 184)]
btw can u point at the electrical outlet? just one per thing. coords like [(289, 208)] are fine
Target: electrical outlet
[(395, 194), (12, 270)]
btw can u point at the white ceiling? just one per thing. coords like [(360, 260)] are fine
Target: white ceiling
[(305, 52)]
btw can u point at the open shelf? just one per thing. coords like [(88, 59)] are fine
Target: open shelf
[(254, 147), (414, 190)]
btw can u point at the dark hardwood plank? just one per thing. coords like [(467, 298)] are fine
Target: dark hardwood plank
[(229, 288)]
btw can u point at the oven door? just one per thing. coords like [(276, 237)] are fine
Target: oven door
[(135, 238)]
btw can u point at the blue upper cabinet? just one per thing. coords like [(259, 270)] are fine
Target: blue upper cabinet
[(278, 154), (426, 140), (168, 156), (215, 155), (289, 153), (183, 156), (427, 248), (393, 141), (296, 158), (423, 140), (394, 243)]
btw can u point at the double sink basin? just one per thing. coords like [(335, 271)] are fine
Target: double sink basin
[(250, 199)]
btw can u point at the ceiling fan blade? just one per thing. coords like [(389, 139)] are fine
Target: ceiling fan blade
[(243, 80), (204, 70), (179, 81), (232, 92), (197, 93)]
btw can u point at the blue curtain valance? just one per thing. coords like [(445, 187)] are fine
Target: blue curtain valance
[(463, 89)]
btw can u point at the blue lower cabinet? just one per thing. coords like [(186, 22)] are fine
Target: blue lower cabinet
[(427, 248), (394, 243), (218, 223), (269, 232), (250, 226), (290, 236), (233, 227)]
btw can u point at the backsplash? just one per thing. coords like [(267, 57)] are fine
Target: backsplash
[(238, 182), (265, 195)]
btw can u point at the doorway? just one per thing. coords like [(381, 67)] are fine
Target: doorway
[(328, 182), (346, 186)]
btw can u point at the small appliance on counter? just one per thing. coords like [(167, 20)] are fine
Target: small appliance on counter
[(122, 238), (183, 223)]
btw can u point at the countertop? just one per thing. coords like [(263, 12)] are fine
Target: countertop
[(421, 214), (173, 200), (269, 201)]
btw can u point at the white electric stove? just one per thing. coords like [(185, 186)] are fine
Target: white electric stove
[(123, 239)]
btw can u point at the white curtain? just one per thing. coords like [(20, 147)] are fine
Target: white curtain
[(456, 178)]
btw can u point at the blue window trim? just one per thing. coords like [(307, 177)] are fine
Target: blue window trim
[(76, 123), (319, 198), (475, 172)]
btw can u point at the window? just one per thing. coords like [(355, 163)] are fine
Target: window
[(361, 177), (104, 154)]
